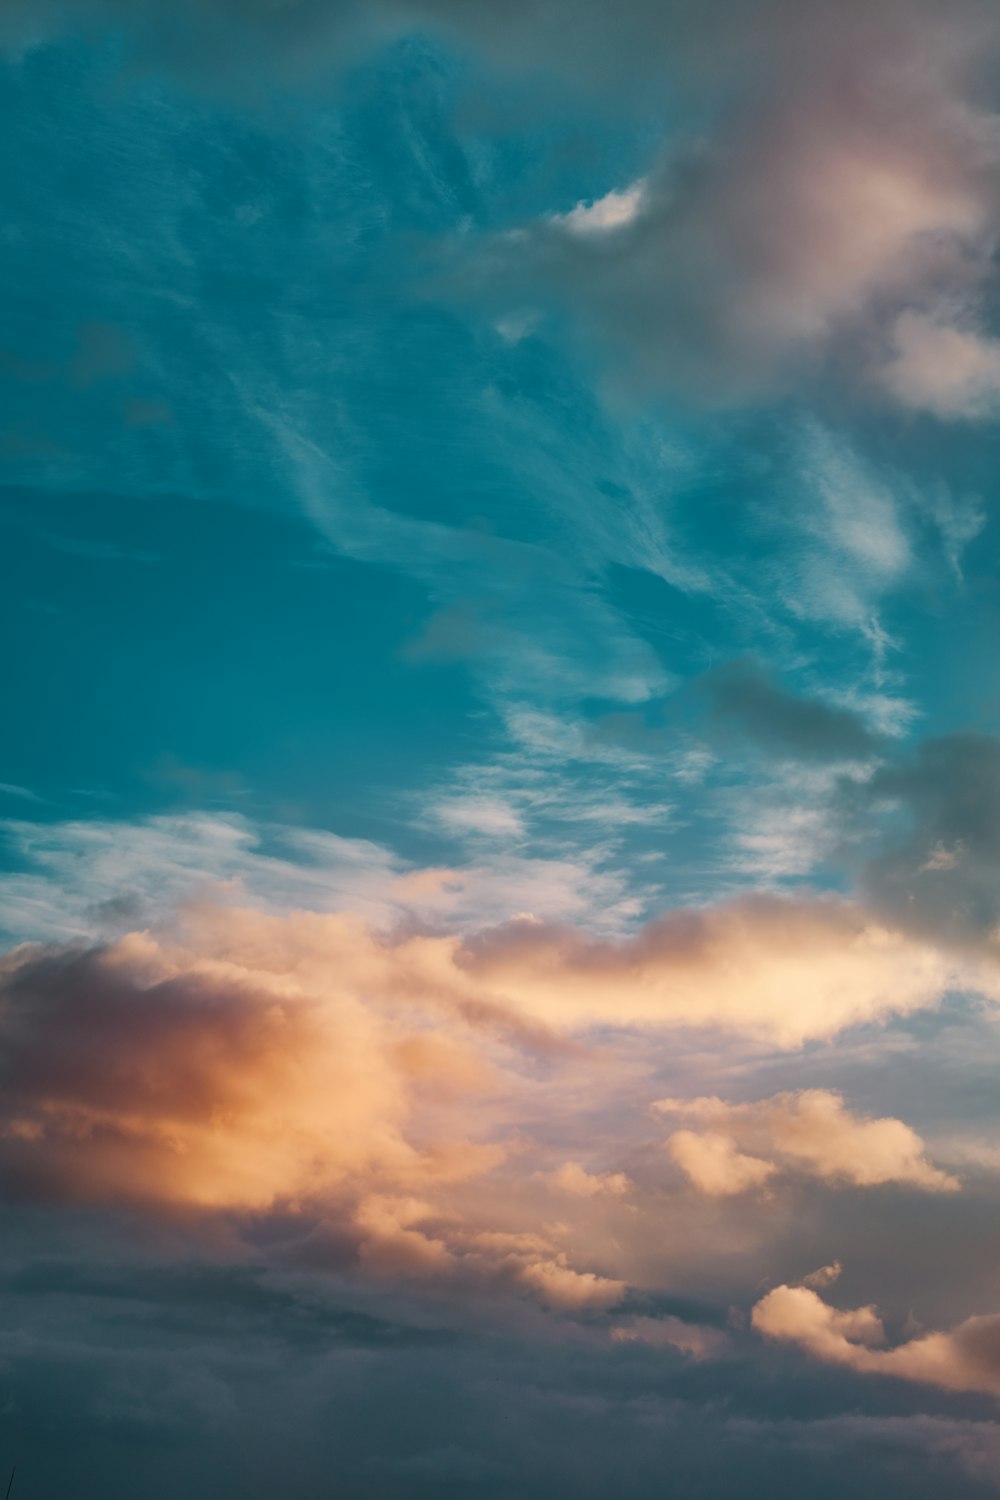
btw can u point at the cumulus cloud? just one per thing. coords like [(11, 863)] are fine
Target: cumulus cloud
[(715, 1166), (788, 969), (262, 1068), (810, 1131), (370, 1084), (566, 1290), (965, 1359), (134, 1074)]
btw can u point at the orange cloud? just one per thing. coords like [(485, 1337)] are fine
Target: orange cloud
[(714, 1165), (258, 1063), (131, 1077), (966, 1359), (810, 1131), (787, 970), (242, 1063)]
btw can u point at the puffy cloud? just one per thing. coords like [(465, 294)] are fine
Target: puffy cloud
[(566, 1290), (365, 1085), (613, 211), (810, 1131), (781, 968), (256, 1065), (714, 1165), (788, 970), (965, 1359), (409, 1237), (134, 1074)]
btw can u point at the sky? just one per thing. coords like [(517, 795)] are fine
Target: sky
[(500, 785)]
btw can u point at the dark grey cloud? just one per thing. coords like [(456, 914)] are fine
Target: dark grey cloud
[(738, 704), (120, 1380), (930, 826), (743, 698)]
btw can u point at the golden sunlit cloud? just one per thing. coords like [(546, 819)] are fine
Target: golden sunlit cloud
[(810, 1131), (965, 1359)]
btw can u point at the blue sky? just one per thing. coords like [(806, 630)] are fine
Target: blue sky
[(500, 798)]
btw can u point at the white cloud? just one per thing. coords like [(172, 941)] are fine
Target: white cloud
[(101, 876), (613, 211)]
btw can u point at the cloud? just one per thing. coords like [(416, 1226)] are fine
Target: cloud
[(930, 826), (852, 532), (134, 1076), (832, 212), (97, 877), (824, 1276), (825, 202), (740, 702), (809, 1131), (574, 1179), (611, 212), (368, 1089), (567, 1290), (256, 1066), (77, 874), (965, 1359), (782, 723), (671, 1333), (946, 370), (714, 1165), (788, 970)]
